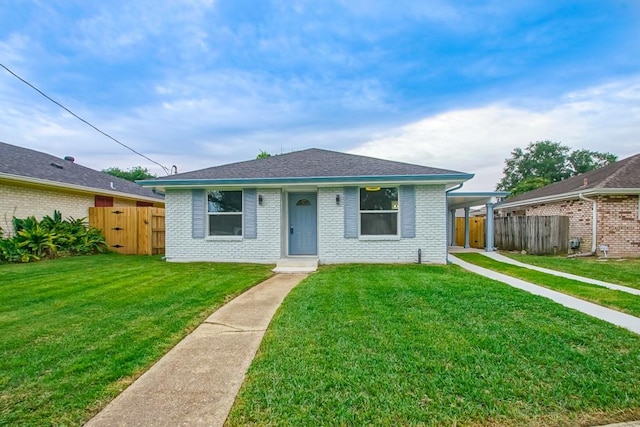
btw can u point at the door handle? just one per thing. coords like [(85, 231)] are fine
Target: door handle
[(291, 230)]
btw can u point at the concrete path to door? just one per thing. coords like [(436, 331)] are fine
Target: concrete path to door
[(501, 258), (196, 382), (627, 321)]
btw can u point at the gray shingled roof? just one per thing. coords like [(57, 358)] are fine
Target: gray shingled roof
[(624, 174), (310, 163), (28, 163)]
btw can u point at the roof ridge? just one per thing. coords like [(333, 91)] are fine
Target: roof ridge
[(620, 170)]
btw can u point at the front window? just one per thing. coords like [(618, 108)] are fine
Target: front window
[(225, 213), (378, 211)]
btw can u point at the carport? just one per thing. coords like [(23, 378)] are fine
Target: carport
[(466, 200)]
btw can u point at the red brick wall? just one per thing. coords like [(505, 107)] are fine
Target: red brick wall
[(618, 222), (580, 214)]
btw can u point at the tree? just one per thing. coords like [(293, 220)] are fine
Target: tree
[(545, 162), (263, 154), (133, 174), (581, 161)]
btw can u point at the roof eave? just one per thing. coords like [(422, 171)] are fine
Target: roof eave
[(567, 196), (79, 188), (320, 181)]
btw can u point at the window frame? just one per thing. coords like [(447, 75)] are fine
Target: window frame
[(385, 211), (210, 214)]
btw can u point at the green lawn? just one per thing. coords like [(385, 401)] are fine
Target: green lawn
[(621, 271), (617, 300), (435, 345), (77, 331)]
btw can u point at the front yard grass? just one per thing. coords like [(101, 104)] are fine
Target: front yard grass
[(435, 345), (617, 300), (621, 271), (77, 331)]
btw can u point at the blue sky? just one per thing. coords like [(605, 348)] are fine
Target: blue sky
[(196, 83)]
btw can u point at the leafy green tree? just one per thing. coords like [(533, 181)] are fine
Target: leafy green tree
[(263, 154), (133, 174), (544, 162), (581, 161)]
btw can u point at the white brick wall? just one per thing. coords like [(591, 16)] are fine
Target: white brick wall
[(180, 246), (431, 223), (332, 246)]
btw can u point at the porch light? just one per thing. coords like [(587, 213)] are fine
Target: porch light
[(372, 188), (260, 199), (338, 199)]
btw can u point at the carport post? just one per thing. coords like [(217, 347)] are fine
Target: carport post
[(452, 235), (489, 228), (466, 227)]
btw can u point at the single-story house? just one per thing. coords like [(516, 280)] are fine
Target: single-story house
[(36, 183), (603, 206), (328, 206)]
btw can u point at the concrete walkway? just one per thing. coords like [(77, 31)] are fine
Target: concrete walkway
[(195, 383), (501, 258), (627, 321)]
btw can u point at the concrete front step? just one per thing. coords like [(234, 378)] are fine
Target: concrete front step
[(296, 265)]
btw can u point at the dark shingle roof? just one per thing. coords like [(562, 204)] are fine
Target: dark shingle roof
[(624, 174), (311, 163), (28, 163)]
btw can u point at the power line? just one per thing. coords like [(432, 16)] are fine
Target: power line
[(81, 119)]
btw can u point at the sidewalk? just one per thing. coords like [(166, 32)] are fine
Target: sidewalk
[(501, 258), (196, 382), (627, 321)]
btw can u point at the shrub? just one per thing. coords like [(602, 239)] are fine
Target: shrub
[(48, 238)]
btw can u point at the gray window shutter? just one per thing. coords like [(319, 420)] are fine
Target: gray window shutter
[(351, 211), (407, 211), (250, 213), (198, 214)]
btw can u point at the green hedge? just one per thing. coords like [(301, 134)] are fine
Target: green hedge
[(51, 237)]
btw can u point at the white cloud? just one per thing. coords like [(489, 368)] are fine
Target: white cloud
[(604, 118)]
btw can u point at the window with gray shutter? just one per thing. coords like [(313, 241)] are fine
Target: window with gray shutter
[(250, 211), (351, 212), (198, 214), (408, 211)]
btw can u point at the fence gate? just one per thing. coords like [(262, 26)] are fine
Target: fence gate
[(476, 232), (131, 230)]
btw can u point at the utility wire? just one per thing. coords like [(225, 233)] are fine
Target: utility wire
[(81, 119)]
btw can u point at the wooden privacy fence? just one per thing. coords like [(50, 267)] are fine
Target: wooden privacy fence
[(538, 235), (131, 230), (476, 232)]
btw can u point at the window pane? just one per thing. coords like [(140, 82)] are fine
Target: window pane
[(374, 199), (378, 224), (225, 201), (225, 225)]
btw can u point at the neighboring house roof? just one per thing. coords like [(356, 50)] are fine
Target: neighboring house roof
[(622, 177), (309, 166), (25, 165)]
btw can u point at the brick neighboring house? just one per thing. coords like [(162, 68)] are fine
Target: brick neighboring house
[(36, 183), (610, 195), (328, 206)]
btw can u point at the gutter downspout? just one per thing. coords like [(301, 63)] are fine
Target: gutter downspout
[(446, 193), (594, 221)]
